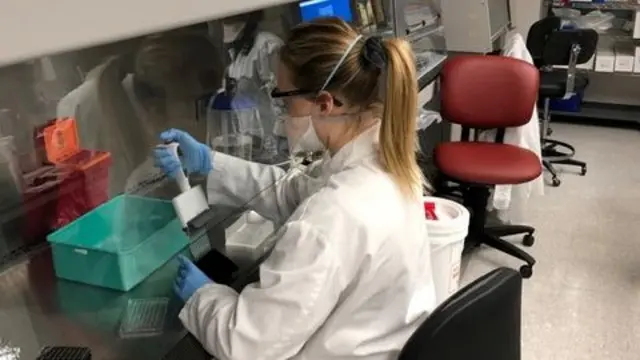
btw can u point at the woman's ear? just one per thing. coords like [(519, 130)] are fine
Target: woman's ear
[(325, 102)]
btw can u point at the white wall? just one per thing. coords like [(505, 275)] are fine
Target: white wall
[(524, 13)]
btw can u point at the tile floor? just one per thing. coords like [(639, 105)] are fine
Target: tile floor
[(583, 301)]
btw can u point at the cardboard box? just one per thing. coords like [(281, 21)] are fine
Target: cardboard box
[(625, 58), (589, 64), (636, 66), (605, 59)]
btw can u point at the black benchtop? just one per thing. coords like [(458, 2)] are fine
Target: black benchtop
[(37, 310)]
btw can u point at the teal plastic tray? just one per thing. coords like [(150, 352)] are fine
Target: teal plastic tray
[(118, 244)]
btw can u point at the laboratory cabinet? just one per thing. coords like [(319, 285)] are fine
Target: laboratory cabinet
[(475, 26), (85, 92)]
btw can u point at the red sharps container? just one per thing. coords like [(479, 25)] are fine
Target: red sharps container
[(84, 173), (40, 200), (40, 195), (71, 182)]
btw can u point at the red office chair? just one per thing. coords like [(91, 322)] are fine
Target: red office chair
[(488, 92)]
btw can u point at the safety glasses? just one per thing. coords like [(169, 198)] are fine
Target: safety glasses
[(277, 94)]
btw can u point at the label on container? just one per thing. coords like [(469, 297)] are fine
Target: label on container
[(81, 251), (454, 283), (456, 256)]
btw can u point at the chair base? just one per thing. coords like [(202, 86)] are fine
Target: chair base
[(491, 236), (551, 155), (475, 199), (550, 150)]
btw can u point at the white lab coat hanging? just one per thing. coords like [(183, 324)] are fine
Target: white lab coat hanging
[(511, 200)]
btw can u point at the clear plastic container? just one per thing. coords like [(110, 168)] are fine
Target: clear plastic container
[(144, 317)]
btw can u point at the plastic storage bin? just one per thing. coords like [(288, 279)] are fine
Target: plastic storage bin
[(572, 104), (447, 227), (85, 187), (39, 206), (118, 244), (86, 182)]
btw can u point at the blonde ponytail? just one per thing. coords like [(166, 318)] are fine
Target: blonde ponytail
[(329, 48), (398, 141)]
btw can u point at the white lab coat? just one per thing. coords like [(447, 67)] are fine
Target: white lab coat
[(259, 63), (350, 276), (511, 200)]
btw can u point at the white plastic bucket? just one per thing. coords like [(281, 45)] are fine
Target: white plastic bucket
[(446, 235)]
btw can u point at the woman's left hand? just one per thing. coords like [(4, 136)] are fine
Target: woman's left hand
[(190, 278)]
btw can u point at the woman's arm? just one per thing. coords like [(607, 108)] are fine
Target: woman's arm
[(267, 189)]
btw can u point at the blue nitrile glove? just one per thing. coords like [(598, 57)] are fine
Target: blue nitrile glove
[(189, 279), (196, 157)]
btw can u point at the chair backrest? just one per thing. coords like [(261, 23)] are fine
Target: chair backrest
[(481, 321), (486, 92), (551, 45), (557, 49), (538, 35)]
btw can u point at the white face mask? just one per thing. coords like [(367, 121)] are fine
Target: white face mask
[(301, 135), (231, 32)]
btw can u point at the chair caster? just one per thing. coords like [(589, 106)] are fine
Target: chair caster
[(526, 271), (528, 240), (583, 171), (549, 131), (555, 181)]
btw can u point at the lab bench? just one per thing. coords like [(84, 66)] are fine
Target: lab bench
[(37, 309)]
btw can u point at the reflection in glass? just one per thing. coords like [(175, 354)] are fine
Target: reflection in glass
[(124, 104), (233, 124), (248, 82)]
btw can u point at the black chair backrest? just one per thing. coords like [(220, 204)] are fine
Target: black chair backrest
[(558, 47), (481, 321), (551, 45), (538, 35)]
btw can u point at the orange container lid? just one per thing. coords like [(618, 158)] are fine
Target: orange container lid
[(61, 140)]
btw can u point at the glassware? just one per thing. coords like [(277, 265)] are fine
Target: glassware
[(233, 125)]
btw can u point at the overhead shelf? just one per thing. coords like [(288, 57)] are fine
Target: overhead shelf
[(33, 28), (608, 5)]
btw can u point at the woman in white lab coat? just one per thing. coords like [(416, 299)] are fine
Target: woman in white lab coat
[(350, 275)]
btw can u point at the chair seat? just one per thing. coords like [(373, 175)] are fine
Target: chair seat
[(553, 84), (487, 163)]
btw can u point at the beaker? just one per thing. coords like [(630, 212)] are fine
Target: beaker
[(233, 125)]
